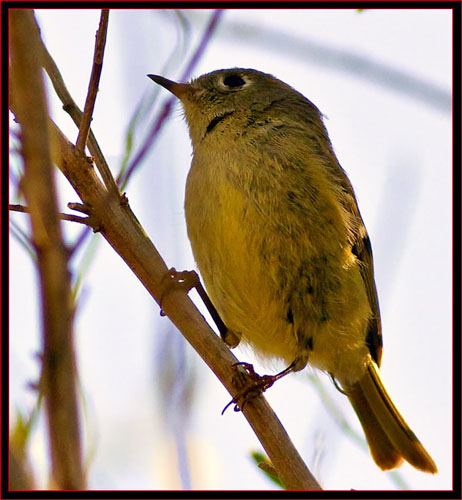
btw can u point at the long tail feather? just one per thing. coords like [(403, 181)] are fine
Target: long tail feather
[(389, 437)]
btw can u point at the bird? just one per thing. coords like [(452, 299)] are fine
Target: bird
[(281, 246)]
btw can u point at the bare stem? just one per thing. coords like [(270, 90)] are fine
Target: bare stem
[(94, 81), (68, 217)]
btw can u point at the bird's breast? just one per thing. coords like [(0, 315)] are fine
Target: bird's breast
[(274, 258)]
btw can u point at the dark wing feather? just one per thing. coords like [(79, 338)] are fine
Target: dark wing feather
[(362, 249), (360, 243)]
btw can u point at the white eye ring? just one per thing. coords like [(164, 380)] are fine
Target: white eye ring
[(234, 82)]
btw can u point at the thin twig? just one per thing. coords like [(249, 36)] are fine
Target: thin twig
[(156, 127), (58, 377), (68, 217), (94, 81), (18, 208), (75, 113), (75, 218)]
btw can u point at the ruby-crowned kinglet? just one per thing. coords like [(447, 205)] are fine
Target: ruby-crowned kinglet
[(281, 246)]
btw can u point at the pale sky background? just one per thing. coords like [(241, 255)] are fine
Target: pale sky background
[(396, 148)]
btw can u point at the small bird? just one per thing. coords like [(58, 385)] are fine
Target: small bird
[(280, 244)]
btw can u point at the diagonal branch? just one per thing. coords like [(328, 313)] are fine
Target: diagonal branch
[(123, 232), (75, 113), (94, 81)]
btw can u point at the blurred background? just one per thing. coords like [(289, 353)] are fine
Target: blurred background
[(150, 408)]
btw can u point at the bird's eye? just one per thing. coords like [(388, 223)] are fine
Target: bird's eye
[(233, 81)]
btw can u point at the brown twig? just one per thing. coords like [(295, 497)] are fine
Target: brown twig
[(75, 113), (18, 208), (94, 81), (58, 377), (68, 217)]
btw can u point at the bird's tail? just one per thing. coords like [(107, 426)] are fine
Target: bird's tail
[(389, 437)]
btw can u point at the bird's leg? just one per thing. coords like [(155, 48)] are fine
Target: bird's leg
[(186, 280), (254, 384)]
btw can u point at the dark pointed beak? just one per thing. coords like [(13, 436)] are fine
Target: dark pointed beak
[(177, 89)]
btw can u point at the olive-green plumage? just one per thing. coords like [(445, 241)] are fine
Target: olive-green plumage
[(279, 241)]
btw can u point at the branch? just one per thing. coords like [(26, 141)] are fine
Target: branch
[(94, 81), (58, 378), (123, 232), (75, 113)]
